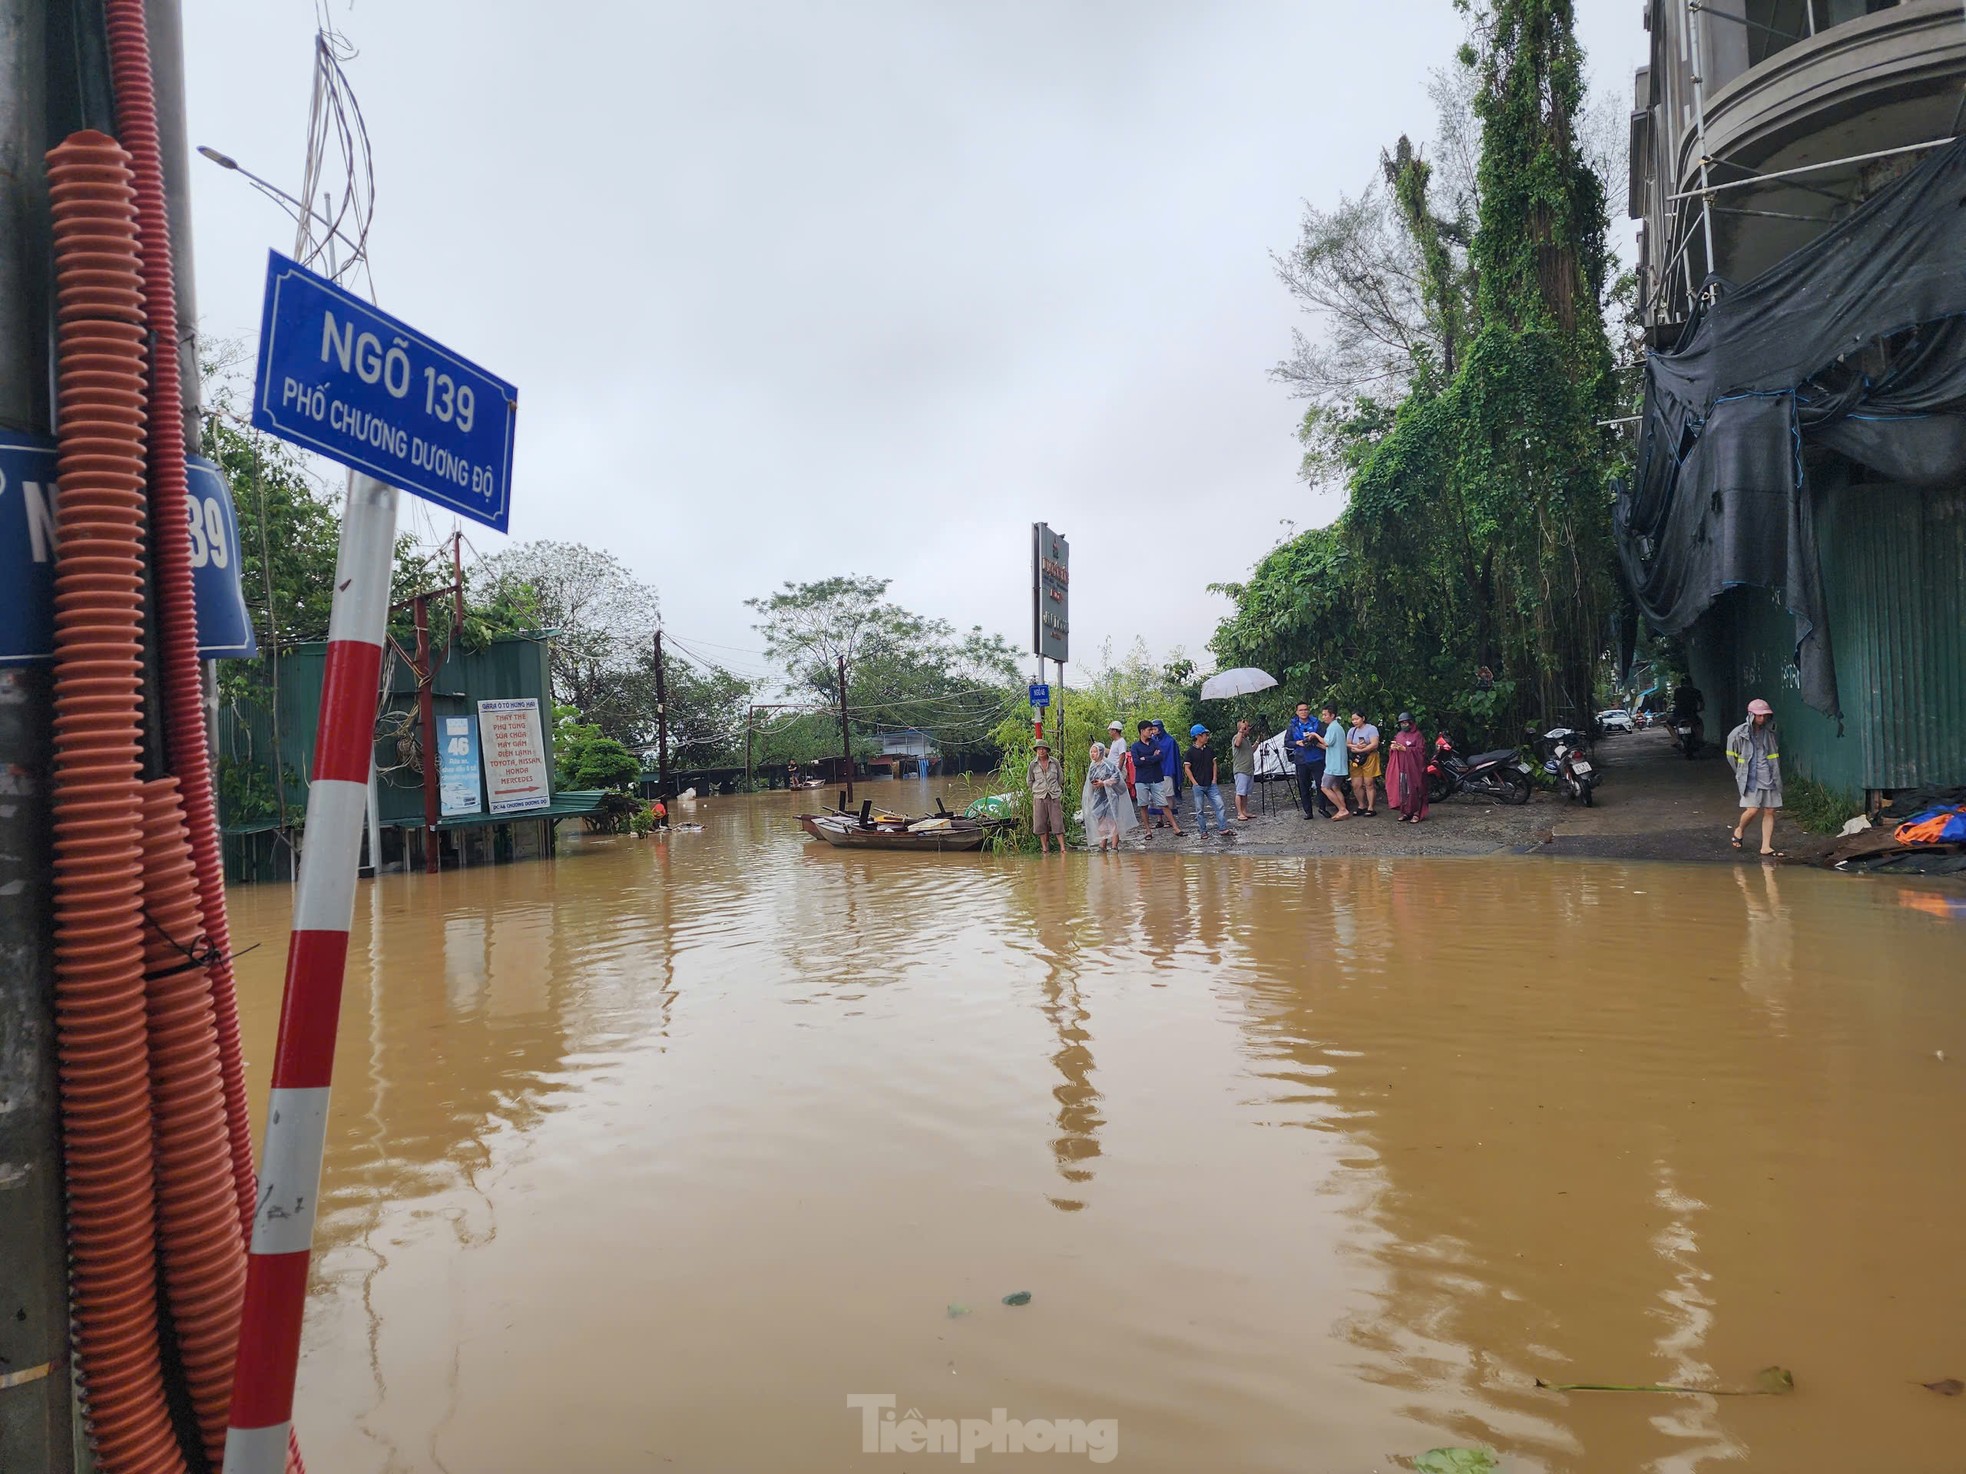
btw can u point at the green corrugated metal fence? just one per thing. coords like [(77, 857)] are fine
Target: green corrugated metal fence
[(1894, 576), (506, 668)]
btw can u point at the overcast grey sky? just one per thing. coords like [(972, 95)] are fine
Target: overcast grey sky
[(802, 289)]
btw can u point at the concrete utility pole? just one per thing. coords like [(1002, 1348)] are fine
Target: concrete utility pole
[(426, 716), (846, 733), (35, 1413), (662, 725)]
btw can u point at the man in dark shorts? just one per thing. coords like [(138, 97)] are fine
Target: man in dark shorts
[(1047, 778)]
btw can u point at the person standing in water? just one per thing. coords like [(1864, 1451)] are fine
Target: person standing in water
[(1116, 750), (1754, 748), (1047, 777), (1108, 811)]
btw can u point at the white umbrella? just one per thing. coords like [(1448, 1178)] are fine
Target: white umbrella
[(1244, 680)]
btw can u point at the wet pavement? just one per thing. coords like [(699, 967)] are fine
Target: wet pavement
[(653, 1157), (1652, 804)]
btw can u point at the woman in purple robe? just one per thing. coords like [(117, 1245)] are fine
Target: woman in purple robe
[(1406, 771)]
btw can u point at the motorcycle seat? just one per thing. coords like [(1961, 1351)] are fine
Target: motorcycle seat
[(1500, 754)]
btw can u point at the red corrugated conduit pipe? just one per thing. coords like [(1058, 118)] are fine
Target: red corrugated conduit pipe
[(197, 1230), (197, 1067), (100, 1014), (177, 619)]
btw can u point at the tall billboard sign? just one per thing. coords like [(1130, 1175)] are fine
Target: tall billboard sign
[(514, 755), (1051, 594)]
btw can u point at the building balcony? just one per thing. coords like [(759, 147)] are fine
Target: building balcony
[(1859, 87)]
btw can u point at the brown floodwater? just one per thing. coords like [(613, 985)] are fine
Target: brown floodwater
[(652, 1157)]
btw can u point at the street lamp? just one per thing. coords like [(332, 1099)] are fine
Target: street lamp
[(274, 192)]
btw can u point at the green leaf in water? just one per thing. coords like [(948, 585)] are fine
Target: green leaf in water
[(1020, 1297), (957, 1309), (1457, 1461)]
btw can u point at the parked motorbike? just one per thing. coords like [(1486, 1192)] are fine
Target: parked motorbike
[(1687, 733), (1567, 758), (1501, 775)]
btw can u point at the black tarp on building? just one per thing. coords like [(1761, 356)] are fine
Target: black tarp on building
[(1855, 343)]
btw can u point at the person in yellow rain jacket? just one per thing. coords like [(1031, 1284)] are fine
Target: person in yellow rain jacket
[(1754, 748)]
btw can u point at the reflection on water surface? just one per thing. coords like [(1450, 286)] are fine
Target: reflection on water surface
[(651, 1157)]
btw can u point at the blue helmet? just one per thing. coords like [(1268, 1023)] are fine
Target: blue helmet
[(1197, 730)]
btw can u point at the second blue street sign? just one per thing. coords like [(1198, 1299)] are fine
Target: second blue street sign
[(338, 376)]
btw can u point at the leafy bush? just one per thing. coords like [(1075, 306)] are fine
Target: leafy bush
[(1817, 808), (600, 762)]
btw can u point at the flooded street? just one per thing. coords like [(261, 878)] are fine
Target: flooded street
[(650, 1158)]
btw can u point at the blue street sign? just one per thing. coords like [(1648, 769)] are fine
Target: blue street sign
[(338, 376), (1040, 694), (27, 547)]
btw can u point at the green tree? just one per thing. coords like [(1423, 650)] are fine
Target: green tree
[(1476, 529), (706, 706), (902, 669), (601, 616), (585, 757), (599, 762), (289, 532)]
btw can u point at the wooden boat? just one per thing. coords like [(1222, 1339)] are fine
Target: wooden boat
[(867, 830)]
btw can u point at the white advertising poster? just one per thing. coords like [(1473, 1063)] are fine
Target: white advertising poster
[(457, 767), (514, 755)]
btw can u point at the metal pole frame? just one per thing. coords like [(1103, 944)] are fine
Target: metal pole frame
[(281, 1247), (846, 732), (1881, 153), (1693, 28), (425, 666), (36, 1412), (661, 724)]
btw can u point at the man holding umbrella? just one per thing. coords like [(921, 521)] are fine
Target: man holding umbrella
[(1243, 680)]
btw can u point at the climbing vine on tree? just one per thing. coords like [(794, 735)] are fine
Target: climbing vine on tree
[(1477, 526)]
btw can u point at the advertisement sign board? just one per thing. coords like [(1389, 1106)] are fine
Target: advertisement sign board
[(515, 755), (1051, 607), (457, 767)]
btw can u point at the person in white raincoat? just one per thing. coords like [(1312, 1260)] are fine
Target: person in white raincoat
[(1109, 815)]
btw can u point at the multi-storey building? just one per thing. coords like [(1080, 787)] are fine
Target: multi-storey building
[(1758, 127)]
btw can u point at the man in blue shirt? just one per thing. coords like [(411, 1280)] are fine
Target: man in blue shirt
[(1170, 754), (1303, 743), (1149, 780)]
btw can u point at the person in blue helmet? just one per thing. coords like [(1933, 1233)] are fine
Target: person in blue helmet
[(1200, 765)]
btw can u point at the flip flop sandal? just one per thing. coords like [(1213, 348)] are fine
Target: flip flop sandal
[(1734, 840), (1774, 854)]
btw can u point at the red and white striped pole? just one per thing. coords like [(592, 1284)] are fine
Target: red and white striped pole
[(303, 1060)]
